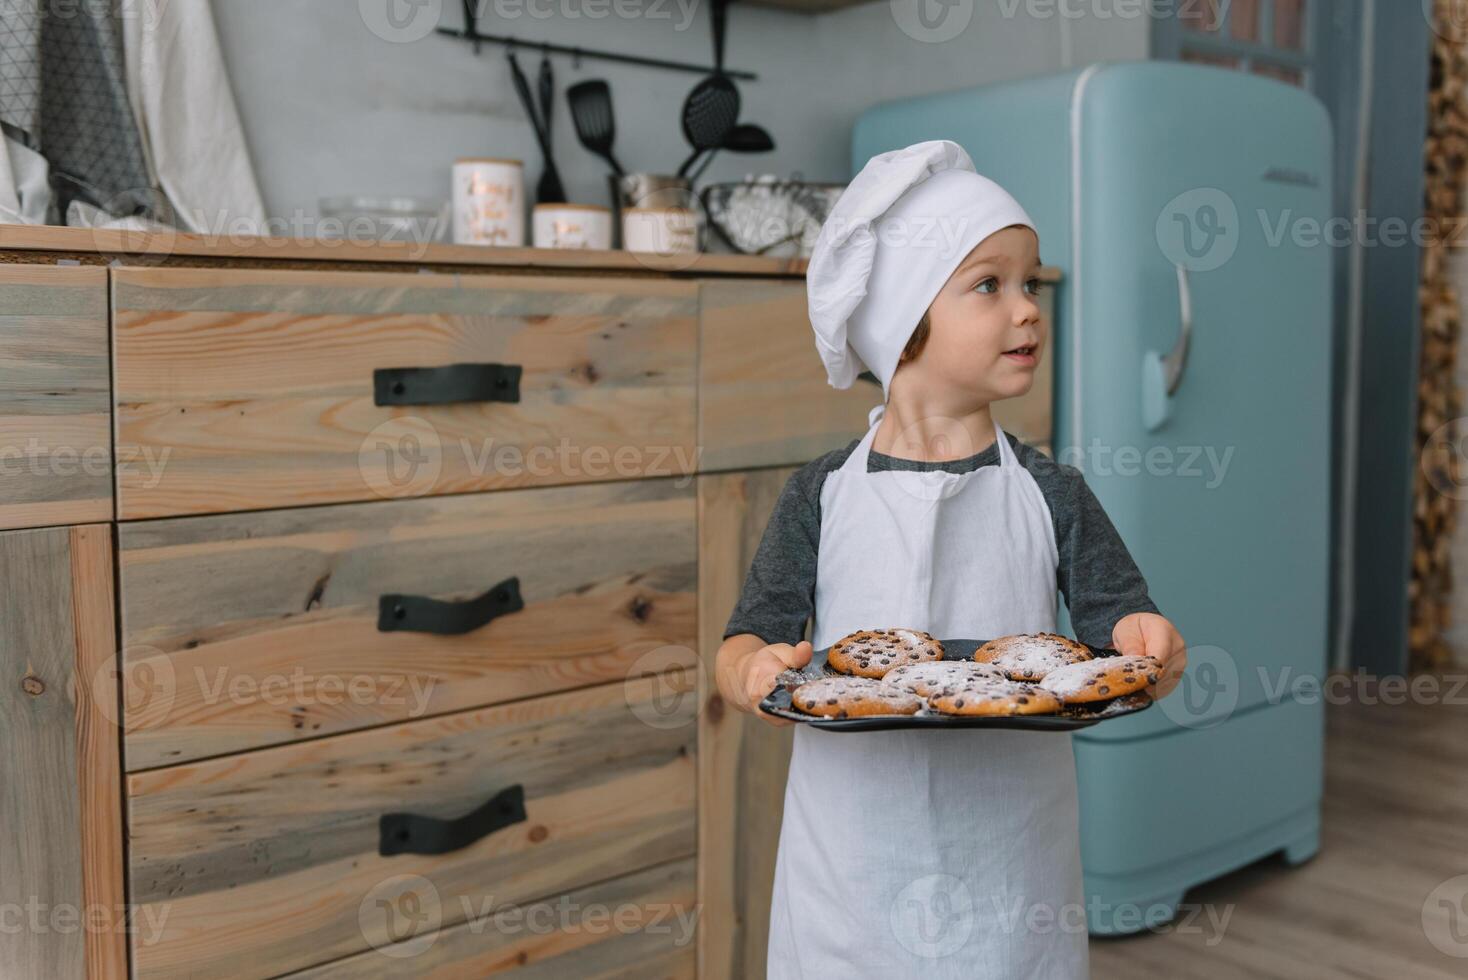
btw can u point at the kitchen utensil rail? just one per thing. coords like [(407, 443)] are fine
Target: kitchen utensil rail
[(591, 53)]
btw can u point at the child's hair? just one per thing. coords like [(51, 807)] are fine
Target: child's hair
[(918, 339)]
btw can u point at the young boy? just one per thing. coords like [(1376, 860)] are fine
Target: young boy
[(920, 853)]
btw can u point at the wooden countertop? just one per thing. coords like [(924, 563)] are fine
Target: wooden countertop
[(19, 243), (49, 243)]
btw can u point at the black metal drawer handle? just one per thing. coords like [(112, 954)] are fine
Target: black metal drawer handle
[(411, 833), (422, 614), (447, 384)]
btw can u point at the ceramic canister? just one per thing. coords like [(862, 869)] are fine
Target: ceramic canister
[(668, 231), (571, 226), (489, 202)]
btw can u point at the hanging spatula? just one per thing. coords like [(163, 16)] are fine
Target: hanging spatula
[(596, 127), (743, 138)]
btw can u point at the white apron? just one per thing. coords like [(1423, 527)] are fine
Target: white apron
[(941, 855)]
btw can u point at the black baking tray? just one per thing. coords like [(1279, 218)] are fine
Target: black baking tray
[(777, 703)]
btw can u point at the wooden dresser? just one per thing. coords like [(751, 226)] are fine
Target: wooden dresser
[(360, 605)]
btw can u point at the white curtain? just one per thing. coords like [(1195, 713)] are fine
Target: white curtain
[(186, 113), (193, 144)]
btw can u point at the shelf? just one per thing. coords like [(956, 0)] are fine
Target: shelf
[(808, 6), (133, 248)]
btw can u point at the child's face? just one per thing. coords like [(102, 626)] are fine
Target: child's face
[(986, 335)]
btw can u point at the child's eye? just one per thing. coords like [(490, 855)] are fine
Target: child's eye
[(1034, 286), (991, 281)]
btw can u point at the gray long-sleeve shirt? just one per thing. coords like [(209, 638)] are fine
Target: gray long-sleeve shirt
[(1096, 574)]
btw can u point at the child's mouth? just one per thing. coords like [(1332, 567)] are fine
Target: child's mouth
[(1021, 355)]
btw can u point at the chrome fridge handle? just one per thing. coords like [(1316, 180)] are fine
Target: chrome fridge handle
[(1177, 358), (1162, 374)]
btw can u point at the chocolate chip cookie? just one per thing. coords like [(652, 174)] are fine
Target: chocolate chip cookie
[(1030, 656), (987, 696), (871, 653), (853, 697), (1102, 678), (928, 678)]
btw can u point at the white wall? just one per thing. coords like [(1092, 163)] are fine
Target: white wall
[(331, 108)]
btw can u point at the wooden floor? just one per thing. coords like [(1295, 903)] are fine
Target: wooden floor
[(1395, 827)]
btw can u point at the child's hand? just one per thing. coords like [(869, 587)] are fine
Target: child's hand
[(1151, 635), (749, 678)]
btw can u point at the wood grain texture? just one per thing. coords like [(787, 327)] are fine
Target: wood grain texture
[(764, 398), (247, 630), (99, 768), (243, 389), (742, 761), (40, 860), (267, 862), (103, 245), (1395, 827), (60, 854), (640, 926), (55, 421)]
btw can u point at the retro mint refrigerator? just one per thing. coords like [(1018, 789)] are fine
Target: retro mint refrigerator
[(1186, 206)]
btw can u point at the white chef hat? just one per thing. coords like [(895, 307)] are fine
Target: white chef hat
[(892, 240)]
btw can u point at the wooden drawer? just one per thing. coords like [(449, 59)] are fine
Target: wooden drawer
[(250, 389), (55, 422), (764, 399), (271, 861), (60, 785), (638, 927), (246, 630)]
